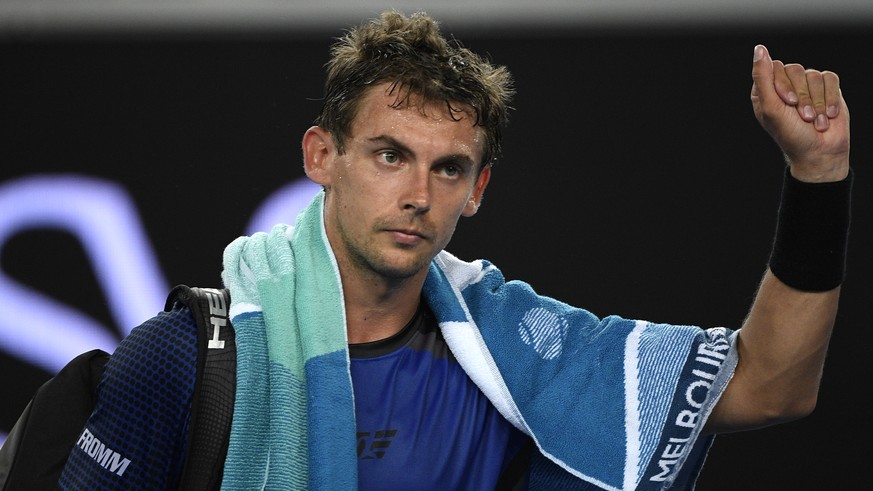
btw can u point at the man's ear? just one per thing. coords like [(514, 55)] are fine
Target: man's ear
[(318, 150), (476, 196)]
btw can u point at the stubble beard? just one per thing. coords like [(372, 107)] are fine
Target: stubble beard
[(373, 259)]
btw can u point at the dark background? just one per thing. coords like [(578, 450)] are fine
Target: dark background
[(635, 180)]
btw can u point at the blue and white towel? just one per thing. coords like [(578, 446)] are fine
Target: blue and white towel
[(611, 403)]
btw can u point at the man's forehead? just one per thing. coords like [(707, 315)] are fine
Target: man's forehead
[(382, 112), (392, 96)]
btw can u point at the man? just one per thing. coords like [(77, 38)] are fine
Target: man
[(370, 358)]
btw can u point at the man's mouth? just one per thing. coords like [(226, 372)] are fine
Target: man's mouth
[(407, 236)]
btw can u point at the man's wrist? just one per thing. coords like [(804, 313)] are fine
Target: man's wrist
[(809, 250), (836, 169)]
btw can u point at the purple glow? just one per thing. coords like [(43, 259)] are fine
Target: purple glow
[(101, 215), (283, 206)]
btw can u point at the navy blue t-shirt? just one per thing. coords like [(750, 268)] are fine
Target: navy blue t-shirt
[(422, 423)]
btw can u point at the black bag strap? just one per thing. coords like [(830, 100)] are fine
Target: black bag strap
[(214, 389), (37, 447)]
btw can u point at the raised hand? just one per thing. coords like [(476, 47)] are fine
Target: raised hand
[(803, 110)]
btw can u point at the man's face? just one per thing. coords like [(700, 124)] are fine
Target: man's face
[(395, 196)]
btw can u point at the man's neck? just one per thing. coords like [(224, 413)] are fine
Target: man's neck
[(380, 309)]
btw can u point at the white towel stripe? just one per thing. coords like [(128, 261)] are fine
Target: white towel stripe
[(632, 406)]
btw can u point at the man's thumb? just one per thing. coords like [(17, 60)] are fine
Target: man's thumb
[(762, 73)]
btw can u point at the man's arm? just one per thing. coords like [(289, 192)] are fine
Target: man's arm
[(784, 340)]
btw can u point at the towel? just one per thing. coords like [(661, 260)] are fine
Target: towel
[(611, 403), (293, 424)]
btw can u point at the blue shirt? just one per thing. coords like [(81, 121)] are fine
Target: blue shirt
[(422, 423)]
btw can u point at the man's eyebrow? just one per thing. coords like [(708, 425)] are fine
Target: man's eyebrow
[(391, 142), (458, 158)]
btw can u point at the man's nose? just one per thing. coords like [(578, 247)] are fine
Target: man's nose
[(417, 197)]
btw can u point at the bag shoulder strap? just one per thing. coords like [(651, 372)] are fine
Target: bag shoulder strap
[(37, 447), (215, 387)]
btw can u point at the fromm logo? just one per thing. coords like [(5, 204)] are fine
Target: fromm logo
[(103, 455)]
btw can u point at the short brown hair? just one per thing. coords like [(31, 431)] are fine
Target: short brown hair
[(411, 53)]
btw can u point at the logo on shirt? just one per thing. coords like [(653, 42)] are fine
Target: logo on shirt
[(107, 458), (373, 445)]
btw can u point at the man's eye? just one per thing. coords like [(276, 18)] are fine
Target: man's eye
[(390, 157), (452, 170)]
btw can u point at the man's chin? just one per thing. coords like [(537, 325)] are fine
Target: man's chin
[(402, 269)]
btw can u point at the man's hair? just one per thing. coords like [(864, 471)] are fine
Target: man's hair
[(411, 54)]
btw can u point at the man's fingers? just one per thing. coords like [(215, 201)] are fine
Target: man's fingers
[(797, 77), (815, 83), (814, 94), (783, 85), (832, 93), (818, 93)]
